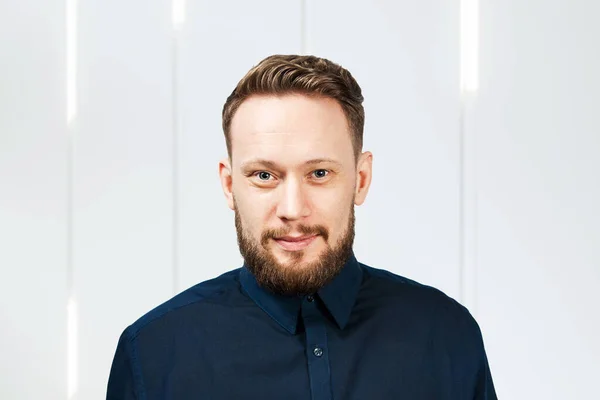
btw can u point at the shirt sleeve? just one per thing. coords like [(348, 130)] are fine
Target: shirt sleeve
[(465, 347), (121, 382), (484, 386)]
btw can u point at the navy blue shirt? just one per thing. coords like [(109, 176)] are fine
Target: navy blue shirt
[(369, 334)]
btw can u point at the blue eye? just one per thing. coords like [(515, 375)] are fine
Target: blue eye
[(320, 173), (264, 176)]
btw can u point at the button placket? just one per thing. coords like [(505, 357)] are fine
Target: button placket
[(319, 370)]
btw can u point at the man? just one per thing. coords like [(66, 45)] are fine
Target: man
[(302, 319)]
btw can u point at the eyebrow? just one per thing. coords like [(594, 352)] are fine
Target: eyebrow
[(273, 165)]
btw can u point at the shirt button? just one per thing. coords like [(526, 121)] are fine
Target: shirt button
[(310, 298), (318, 351)]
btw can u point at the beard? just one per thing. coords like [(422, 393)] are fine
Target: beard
[(296, 278)]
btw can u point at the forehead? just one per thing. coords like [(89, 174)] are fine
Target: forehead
[(289, 129)]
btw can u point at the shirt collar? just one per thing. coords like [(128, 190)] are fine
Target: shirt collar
[(338, 296)]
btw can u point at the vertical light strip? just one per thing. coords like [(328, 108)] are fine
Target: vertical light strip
[(469, 85), (469, 46), (461, 207), (71, 31), (178, 13), (71, 114), (468, 212)]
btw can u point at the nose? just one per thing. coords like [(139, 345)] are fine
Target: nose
[(293, 204)]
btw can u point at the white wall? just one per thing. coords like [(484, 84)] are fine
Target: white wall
[(122, 175), (536, 129), (33, 201), (492, 198)]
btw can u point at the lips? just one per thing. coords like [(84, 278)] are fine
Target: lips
[(291, 243), (295, 239)]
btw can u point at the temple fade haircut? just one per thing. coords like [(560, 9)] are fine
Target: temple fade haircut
[(308, 75)]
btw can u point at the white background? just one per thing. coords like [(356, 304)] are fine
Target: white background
[(492, 197)]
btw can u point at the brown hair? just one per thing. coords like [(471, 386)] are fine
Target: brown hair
[(309, 75)]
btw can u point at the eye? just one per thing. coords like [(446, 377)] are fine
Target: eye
[(263, 175), (320, 173)]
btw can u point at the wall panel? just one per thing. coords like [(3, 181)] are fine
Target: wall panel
[(33, 201), (536, 125), (123, 226)]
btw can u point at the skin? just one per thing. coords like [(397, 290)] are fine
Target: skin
[(293, 172)]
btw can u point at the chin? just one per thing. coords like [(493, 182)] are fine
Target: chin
[(303, 257)]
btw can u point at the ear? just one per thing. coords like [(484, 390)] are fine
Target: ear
[(225, 174), (364, 173)]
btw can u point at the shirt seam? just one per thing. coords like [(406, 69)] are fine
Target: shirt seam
[(138, 378), (137, 329)]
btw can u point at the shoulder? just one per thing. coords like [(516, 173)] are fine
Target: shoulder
[(189, 301), (428, 301), (390, 286), (449, 328), (447, 323)]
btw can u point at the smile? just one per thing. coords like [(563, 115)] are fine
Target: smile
[(295, 244)]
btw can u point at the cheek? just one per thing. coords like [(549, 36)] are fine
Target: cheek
[(253, 216), (333, 212)]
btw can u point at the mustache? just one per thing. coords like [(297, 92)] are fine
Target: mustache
[(303, 229)]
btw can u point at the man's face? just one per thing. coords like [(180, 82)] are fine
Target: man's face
[(293, 182)]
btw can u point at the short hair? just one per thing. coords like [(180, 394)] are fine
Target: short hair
[(295, 74)]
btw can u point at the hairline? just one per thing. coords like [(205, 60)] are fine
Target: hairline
[(288, 93)]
